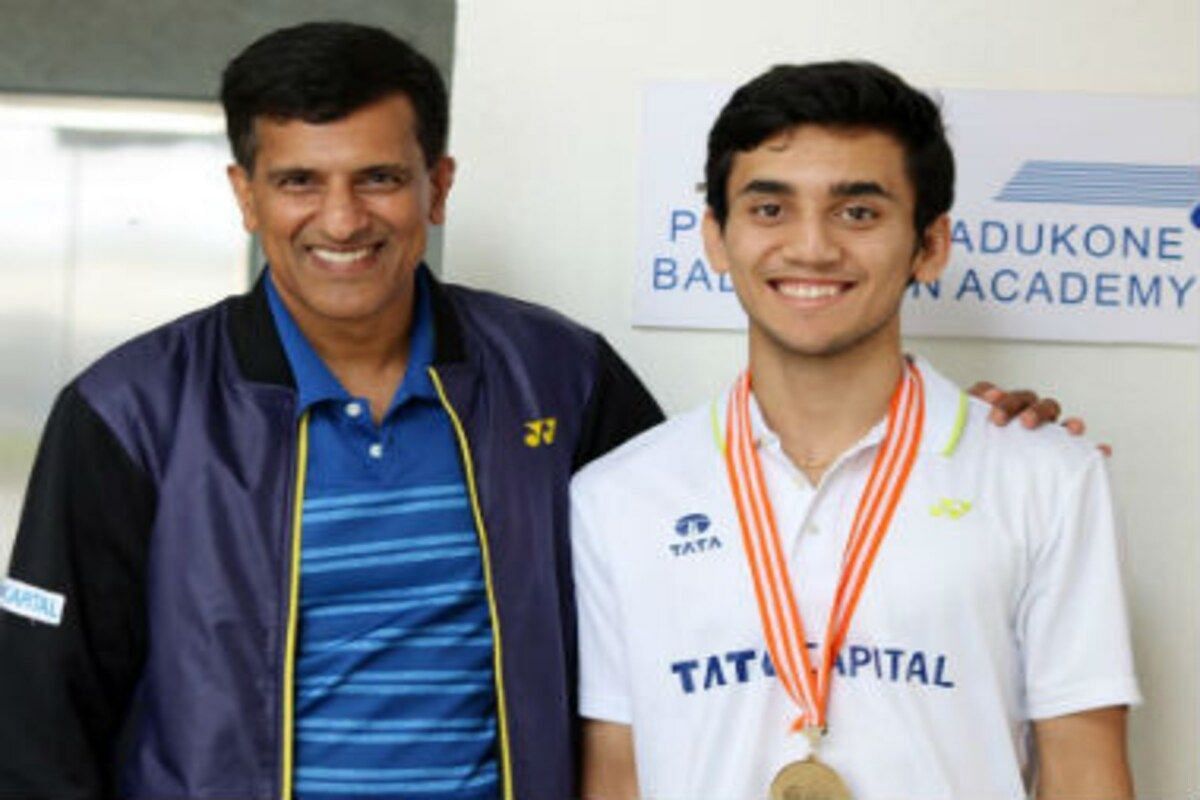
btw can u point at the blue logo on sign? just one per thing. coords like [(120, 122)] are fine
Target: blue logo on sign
[(692, 523), (1091, 183)]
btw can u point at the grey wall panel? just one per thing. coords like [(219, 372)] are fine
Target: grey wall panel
[(177, 48)]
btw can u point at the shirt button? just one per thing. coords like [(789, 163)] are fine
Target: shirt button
[(811, 529), (353, 409), (375, 450)]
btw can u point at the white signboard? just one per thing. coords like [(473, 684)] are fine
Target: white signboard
[(1077, 218)]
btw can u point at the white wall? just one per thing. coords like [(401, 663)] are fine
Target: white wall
[(545, 129)]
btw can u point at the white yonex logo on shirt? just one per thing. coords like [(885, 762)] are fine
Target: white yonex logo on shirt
[(31, 602), (694, 529)]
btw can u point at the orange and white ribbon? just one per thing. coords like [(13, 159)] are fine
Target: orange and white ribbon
[(808, 686)]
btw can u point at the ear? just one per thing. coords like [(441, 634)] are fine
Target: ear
[(441, 178), (934, 253), (243, 192), (714, 242)]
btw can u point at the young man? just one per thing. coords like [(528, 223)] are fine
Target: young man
[(837, 580)]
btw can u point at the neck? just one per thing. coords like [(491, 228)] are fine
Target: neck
[(368, 357), (819, 406)]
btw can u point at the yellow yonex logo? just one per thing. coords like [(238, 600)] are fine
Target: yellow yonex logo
[(947, 507), (540, 431)]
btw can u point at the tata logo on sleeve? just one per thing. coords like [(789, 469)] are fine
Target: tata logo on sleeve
[(693, 528)]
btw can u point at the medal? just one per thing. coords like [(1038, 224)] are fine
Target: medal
[(806, 683), (808, 780)]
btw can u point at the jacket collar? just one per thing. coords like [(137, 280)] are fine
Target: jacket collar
[(262, 359)]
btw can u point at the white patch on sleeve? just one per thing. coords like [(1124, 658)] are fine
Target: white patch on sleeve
[(28, 601)]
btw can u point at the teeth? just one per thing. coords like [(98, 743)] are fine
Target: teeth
[(341, 256), (809, 291)]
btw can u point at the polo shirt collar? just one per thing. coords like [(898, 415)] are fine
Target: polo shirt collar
[(946, 408), (316, 383)]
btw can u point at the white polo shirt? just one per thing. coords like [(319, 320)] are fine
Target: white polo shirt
[(995, 599)]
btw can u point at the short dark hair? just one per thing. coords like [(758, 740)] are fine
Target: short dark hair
[(850, 94), (323, 71)]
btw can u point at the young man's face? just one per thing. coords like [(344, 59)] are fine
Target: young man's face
[(342, 208), (819, 241)]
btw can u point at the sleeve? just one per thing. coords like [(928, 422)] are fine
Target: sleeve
[(603, 675), (1072, 623), (66, 679), (618, 409)]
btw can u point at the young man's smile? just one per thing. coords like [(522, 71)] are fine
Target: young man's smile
[(810, 293)]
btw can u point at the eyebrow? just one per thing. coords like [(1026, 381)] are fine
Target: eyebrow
[(840, 189), (860, 189), (398, 168), (767, 186), (284, 172), (390, 166)]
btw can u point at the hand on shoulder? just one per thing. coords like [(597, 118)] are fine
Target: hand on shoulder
[(1024, 404)]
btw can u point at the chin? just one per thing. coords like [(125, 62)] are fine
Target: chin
[(345, 307), (811, 345)]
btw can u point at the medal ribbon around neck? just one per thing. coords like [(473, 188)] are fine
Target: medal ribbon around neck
[(807, 686)]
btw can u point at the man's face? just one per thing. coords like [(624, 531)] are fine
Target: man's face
[(819, 241), (342, 209)]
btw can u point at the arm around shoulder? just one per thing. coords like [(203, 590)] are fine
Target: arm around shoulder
[(66, 679)]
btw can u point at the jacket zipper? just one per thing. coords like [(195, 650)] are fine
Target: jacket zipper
[(481, 531), (289, 658)]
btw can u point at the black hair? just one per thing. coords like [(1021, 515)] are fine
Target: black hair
[(850, 94), (323, 71)]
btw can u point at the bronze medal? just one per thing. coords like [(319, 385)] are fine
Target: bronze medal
[(809, 779)]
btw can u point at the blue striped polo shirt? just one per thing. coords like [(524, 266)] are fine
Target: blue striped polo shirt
[(394, 681)]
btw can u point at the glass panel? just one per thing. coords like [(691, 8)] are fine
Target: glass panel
[(117, 218)]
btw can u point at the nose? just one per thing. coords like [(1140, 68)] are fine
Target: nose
[(809, 242), (343, 215)]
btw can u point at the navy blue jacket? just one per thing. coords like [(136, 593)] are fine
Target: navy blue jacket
[(162, 505)]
